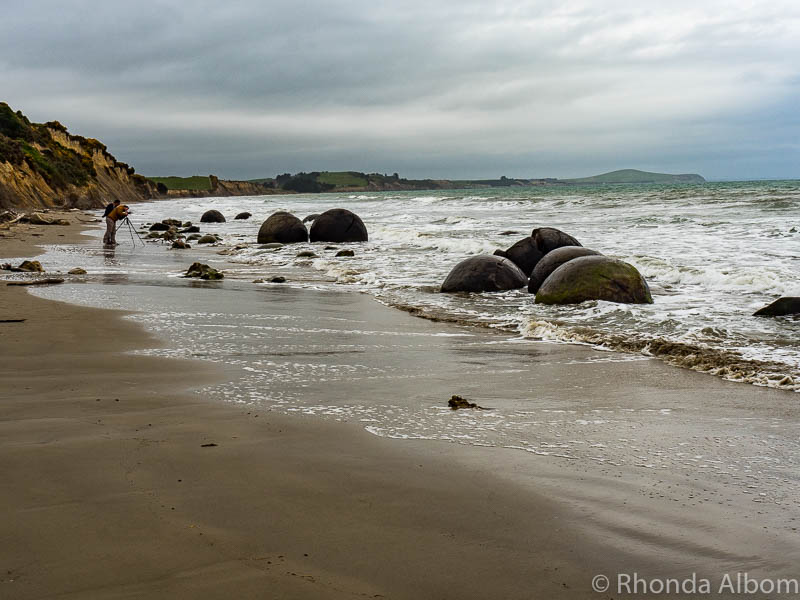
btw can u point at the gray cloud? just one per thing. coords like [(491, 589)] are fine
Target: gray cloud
[(446, 89)]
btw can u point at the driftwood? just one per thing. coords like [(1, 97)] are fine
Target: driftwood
[(45, 281)]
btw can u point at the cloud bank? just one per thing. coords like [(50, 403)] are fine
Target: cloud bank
[(446, 89)]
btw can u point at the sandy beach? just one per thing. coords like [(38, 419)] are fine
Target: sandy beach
[(120, 481)]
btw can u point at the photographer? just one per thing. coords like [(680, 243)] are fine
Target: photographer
[(117, 213)]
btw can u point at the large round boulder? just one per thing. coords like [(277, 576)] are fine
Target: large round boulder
[(484, 273), (594, 278), (548, 239), (338, 225), (283, 228), (787, 305), (525, 254), (552, 260), (212, 216)]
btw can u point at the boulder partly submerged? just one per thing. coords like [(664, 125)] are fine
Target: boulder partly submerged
[(594, 278), (212, 216), (548, 239), (282, 228), (338, 225), (484, 273), (788, 305), (525, 254), (552, 260)]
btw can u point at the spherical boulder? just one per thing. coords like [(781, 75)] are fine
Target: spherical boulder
[(787, 305), (484, 273), (548, 239), (282, 228), (594, 278), (525, 254), (552, 260), (338, 225), (212, 216)]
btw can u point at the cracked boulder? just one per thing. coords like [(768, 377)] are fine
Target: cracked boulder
[(338, 225)]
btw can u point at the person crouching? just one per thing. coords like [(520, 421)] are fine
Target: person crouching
[(116, 214)]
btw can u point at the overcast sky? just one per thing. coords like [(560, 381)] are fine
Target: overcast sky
[(447, 88)]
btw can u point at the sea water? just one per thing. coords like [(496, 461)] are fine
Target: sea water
[(711, 253)]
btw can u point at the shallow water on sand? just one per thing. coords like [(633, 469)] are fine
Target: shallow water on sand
[(310, 350)]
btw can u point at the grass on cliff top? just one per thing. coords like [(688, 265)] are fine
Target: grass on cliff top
[(342, 179), (197, 182)]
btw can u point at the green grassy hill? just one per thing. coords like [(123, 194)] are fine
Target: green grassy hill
[(635, 176), (196, 182), (342, 178)]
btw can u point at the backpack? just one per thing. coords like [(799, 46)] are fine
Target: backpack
[(109, 208)]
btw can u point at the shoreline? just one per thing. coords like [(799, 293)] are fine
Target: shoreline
[(114, 494), (375, 516)]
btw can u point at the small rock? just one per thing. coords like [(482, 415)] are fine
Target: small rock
[(159, 227), (331, 247), (39, 219), (207, 239), (306, 254), (203, 271), (154, 235), (457, 402), (345, 253), (271, 246), (278, 279), (29, 266), (180, 245), (510, 233), (243, 215), (77, 271), (187, 224), (172, 223), (258, 281), (5, 267), (193, 237), (190, 229)]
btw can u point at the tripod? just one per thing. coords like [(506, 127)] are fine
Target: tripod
[(131, 229)]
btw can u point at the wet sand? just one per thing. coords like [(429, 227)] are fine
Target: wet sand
[(114, 492)]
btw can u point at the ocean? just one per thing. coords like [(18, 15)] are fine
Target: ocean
[(711, 253)]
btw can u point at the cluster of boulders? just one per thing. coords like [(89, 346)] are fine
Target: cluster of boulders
[(337, 225), (554, 266)]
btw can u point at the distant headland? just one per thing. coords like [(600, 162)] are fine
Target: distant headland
[(355, 181), (43, 165)]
